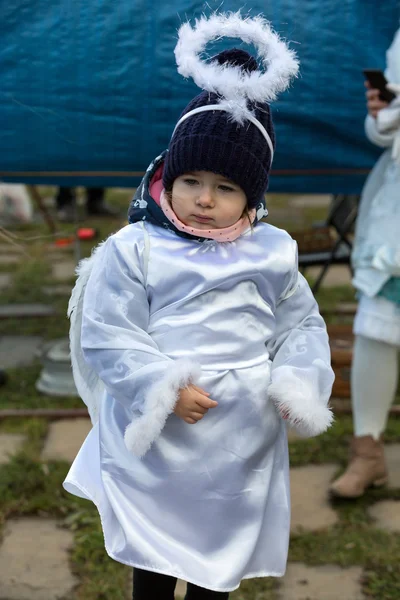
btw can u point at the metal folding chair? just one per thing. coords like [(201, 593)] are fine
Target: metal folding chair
[(341, 218)]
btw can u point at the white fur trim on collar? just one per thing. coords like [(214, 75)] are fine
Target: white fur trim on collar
[(159, 403), (232, 83)]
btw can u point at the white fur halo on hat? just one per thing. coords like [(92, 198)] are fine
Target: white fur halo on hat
[(235, 85)]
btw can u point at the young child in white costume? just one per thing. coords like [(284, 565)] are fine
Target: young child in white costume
[(194, 339)]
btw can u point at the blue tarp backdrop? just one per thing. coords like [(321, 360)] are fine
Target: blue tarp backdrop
[(89, 91)]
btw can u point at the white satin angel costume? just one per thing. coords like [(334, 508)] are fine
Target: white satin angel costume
[(208, 503)]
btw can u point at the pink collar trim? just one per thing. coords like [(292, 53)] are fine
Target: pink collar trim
[(226, 234)]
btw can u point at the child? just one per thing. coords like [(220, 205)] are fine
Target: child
[(205, 337)]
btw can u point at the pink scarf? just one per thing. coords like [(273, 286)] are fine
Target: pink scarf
[(225, 234)]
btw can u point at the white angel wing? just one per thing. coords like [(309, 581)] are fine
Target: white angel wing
[(89, 385)]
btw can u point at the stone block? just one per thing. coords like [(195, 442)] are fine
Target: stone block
[(10, 443), (310, 506), (63, 271), (18, 350), (386, 515), (326, 582), (65, 438), (34, 560)]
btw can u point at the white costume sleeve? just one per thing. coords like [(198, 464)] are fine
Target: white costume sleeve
[(301, 375), (117, 346), (383, 140)]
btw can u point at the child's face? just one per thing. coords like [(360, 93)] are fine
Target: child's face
[(205, 200)]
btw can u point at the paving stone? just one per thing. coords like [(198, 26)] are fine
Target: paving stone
[(9, 259), (337, 275), (64, 271), (12, 311), (326, 582), (311, 201), (10, 443), (392, 453), (5, 280), (18, 350), (57, 290), (65, 438), (5, 248), (310, 507), (34, 560), (387, 515)]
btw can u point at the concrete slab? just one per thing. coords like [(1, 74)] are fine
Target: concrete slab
[(65, 438), (63, 271), (60, 255), (16, 311), (310, 507), (392, 453), (10, 443), (5, 280), (387, 515), (57, 290), (34, 560), (6, 248), (326, 582), (9, 259), (18, 350)]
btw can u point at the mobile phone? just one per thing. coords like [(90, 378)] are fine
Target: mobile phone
[(378, 81)]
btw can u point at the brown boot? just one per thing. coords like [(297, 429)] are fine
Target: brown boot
[(367, 467)]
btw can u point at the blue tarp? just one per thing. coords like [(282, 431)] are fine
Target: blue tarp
[(89, 91)]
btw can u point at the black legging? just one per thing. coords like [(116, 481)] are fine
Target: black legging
[(153, 586)]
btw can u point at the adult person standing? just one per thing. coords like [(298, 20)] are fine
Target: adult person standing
[(376, 262)]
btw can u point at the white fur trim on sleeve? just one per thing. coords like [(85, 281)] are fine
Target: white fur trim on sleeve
[(159, 403), (300, 400)]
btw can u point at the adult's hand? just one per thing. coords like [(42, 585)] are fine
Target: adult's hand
[(374, 103)]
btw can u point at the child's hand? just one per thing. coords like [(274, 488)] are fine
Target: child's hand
[(193, 404)]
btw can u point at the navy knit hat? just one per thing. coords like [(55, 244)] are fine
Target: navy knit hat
[(213, 141)]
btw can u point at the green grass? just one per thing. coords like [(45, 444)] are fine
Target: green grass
[(100, 577), (329, 298)]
